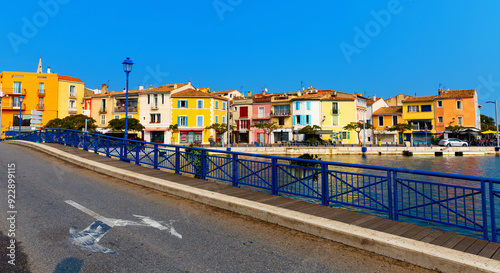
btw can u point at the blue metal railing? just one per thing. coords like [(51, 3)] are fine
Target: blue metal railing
[(464, 203)]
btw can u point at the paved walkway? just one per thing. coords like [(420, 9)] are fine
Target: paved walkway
[(426, 247)]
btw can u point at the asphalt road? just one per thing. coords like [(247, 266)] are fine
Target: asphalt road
[(177, 235)]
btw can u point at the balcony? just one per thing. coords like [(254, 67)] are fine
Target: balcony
[(335, 111), (131, 109), (153, 107), (40, 107), (72, 95), (102, 110), (8, 106), (280, 113), (268, 116), (72, 110), (13, 92), (41, 93)]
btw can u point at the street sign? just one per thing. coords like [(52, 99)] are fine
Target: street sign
[(36, 113), (36, 119)]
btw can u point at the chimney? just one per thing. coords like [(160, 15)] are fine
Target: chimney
[(175, 86), (264, 92), (249, 93), (141, 87), (440, 92), (48, 69), (104, 88), (374, 98), (299, 93), (415, 94)]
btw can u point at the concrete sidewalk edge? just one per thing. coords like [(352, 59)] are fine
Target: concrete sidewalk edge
[(415, 252)]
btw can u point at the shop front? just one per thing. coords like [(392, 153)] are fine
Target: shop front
[(155, 134), (190, 136)]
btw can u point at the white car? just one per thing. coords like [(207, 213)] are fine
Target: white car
[(453, 142)]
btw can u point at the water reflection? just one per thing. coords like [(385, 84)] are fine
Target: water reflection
[(486, 166)]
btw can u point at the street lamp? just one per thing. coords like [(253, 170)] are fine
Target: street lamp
[(21, 99), (496, 117), (127, 68)]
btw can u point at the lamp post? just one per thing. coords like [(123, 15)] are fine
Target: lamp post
[(21, 99), (127, 68), (496, 118)]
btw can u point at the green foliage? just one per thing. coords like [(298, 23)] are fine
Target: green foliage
[(310, 130), (119, 124), (487, 123), (401, 127), (357, 126), (173, 127), (75, 122), (306, 164), (267, 127), (454, 129), (194, 158), (220, 128)]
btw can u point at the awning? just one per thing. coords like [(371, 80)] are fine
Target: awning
[(489, 132), (155, 129), (325, 132)]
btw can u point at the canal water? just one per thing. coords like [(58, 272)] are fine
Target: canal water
[(485, 166)]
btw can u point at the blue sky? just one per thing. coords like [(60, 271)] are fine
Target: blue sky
[(380, 48)]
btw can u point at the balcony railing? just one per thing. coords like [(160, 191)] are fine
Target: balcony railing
[(122, 109), (335, 111), (153, 107), (12, 91), (9, 106), (266, 116), (72, 110), (72, 95), (41, 92), (280, 113), (40, 107), (103, 110)]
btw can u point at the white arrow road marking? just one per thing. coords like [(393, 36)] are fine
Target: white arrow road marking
[(89, 237)]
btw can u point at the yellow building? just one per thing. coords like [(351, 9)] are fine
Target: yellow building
[(338, 110), (281, 114), (192, 111), (419, 112), (71, 92), (45, 92)]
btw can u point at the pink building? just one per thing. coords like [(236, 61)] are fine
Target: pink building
[(261, 113)]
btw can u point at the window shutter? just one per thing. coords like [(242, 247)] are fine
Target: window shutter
[(178, 121), (297, 105), (349, 135), (294, 118), (187, 123), (178, 104), (238, 125), (309, 116), (149, 99), (162, 98), (308, 105), (187, 105)]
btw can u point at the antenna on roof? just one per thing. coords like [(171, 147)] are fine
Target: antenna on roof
[(241, 89)]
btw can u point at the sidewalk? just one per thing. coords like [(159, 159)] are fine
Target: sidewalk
[(425, 247)]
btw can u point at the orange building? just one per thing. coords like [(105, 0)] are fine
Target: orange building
[(383, 119), (457, 107)]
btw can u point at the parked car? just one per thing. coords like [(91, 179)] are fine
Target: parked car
[(453, 142)]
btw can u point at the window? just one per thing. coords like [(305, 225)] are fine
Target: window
[(103, 119), (394, 120), (224, 120), (308, 119), (281, 121), (40, 103), (72, 91), (460, 121), (297, 105), (25, 120), (440, 120), (182, 104), (335, 120), (41, 89), (162, 98), (72, 104), (155, 100), (297, 120), (459, 105), (223, 106), (149, 99), (346, 135), (199, 121), (182, 121), (281, 110), (216, 104), (308, 105), (440, 103), (17, 87), (244, 111), (129, 116), (335, 108), (15, 102), (216, 119), (243, 124), (155, 118), (199, 103), (381, 121), (117, 116), (426, 108), (413, 108), (261, 112)]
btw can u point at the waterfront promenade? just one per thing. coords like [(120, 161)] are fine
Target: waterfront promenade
[(422, 246)]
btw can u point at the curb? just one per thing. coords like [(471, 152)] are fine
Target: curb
[(415, 252)]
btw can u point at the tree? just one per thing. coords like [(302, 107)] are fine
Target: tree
[(119, 124), (267, 127), (487, 123), (75, 122), (455, 129), (220, 128), (357, 126), (174, 128), (310, 130), (401, 128)]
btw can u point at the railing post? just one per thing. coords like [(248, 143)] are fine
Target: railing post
[(177, 160), (124, 150), (325, 198), (66, 141), (274, 176), (107, 147), (155, 153), (392, 194), (235, 170), (85, 148), (137, 153), (203, 165), (485, 211), (96, 144), (492, 212)]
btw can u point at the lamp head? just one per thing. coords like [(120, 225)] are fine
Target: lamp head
[(127, 65), (491, 101), (21, 98)]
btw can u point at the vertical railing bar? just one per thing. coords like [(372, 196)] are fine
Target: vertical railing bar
[(484, 209), (492, 212)]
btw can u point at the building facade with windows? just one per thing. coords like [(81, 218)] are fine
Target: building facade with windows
[(261, 113), (71, 92), (419, 112), (306, 110), (192, 111), (241, 117), (281, 114), (457, 108), (338, 110), (383, 119)]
